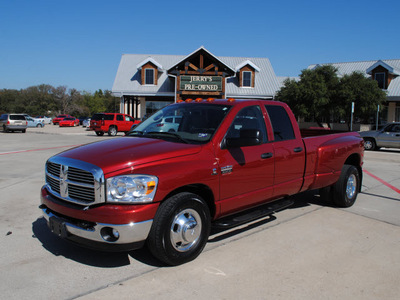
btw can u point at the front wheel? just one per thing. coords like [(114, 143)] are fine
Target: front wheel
[(370, 144), (180, 229), (345, 190)]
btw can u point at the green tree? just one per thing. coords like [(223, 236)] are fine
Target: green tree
[(38, 100), (365, 94), (312, 96), (9, 101), (322, 96)]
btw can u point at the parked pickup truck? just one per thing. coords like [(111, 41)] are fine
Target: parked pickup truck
[(111, 123), (388, 136), (167, 189)]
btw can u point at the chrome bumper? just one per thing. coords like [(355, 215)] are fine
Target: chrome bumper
[(127, 233)]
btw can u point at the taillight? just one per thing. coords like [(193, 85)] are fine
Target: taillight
[(8, 122), (102, 122), (160, 125)]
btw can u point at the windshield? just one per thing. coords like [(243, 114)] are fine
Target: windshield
[(190, 123)]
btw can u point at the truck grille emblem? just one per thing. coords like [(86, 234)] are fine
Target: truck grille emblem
[(63, 181)]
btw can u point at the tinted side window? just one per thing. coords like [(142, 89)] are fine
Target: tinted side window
[(248, 118), (98, 117), (281, 124), (17, 117), (109, 117), (120, 117)]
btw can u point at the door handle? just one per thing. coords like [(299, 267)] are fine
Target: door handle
[(298, 149), (266, 155)]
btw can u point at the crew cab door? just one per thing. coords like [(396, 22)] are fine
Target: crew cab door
[(289, 152), (389, 137), (246, 167)]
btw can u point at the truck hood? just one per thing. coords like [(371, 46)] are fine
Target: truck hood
[(127, 152)]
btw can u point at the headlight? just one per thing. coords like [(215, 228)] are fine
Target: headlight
[(131, 188)]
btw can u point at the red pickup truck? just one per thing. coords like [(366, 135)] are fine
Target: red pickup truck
[(111, 123), (168, 188)]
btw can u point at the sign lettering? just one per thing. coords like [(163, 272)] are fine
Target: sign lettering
[(201, 83)]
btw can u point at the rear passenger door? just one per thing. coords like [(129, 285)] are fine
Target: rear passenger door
[(246, 173), (289, 153)]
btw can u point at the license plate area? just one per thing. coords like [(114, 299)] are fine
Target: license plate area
[(58, 227)]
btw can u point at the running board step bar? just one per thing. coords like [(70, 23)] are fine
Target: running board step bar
[(252, 214)]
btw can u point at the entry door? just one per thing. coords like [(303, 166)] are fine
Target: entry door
[(246, 173)]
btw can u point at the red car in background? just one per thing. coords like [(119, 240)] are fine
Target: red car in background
[(69, 122), (57, 119)]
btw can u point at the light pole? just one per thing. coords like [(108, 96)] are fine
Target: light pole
[(377, 118), (352, 112)]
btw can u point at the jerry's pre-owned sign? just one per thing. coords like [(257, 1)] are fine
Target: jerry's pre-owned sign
[(201, 83)]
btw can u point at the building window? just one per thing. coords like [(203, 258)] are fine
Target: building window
[(149, 76), (246, 80), (380, 77)]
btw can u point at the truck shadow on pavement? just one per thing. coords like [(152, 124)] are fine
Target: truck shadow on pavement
[(60, 247)]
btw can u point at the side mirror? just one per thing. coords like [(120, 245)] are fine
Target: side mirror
[(248, 137)]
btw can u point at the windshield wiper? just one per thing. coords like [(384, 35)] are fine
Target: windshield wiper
[(169, 134), (135, 133)]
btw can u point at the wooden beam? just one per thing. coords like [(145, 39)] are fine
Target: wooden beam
[(209, 67), (193, 66)]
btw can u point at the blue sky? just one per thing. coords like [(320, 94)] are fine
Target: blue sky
[(79, 43)]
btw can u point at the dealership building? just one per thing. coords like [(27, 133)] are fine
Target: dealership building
[(145, 82)]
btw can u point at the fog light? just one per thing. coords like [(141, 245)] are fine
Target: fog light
[(109, 234)]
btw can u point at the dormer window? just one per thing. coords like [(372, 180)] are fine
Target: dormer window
[(246, 72), (149, 76), (381, 78), (246, 79), (149, 71)]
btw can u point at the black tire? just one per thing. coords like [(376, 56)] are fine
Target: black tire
[(100, 133), (370, 144), (112, 131), (23, 130), (39, 125), (174, 243), (345, 190)]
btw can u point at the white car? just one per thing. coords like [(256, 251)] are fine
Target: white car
[(44, 119), (34, 122), (86, 123)]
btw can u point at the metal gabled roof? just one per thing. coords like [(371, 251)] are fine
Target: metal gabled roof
[(127, 79)]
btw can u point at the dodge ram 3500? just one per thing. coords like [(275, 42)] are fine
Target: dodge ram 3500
[(167, 188)]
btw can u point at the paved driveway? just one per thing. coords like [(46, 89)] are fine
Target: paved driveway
[(309, 251)]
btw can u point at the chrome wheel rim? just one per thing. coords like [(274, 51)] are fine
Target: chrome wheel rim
[(185, 230), (367, 145), (351, 186)]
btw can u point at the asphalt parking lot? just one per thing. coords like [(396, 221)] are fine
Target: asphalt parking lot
[(308, 251)]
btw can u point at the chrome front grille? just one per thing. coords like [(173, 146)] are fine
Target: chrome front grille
[(75, 181)]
